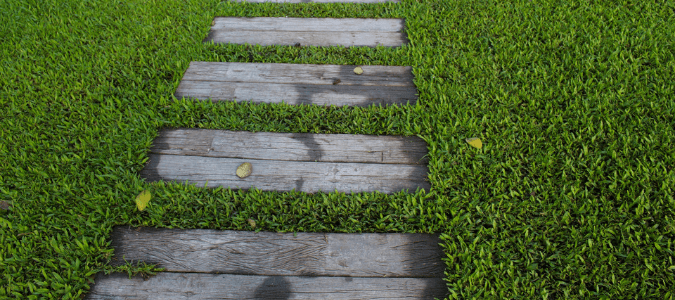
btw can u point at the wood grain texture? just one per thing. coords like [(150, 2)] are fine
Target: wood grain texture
[(268, 253), (307, 24), (298, 84), (292, 146), (171, 286), (339, 95), (308, 38), (298, 74), (273, 175), (308, 31)]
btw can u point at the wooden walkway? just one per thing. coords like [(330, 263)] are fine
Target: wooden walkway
[(213, 264)]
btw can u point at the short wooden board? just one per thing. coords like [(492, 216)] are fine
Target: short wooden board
[(290, 254), (168, 286), (308, 31), (298, 84), (284, 162)]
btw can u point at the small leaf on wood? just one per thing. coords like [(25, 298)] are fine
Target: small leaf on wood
[(358, 70), (251, 222), (475, 142), (244, 170), (4, 205), (142, 200)]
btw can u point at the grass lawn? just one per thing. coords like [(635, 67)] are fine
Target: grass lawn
[(572, 195)]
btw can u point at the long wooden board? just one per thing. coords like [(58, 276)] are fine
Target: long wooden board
[(283, 162), (291, 146), (308, 31), (169, 286), (268, 253), (298, 84)]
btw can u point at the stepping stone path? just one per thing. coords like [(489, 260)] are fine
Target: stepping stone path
[(215, 264)]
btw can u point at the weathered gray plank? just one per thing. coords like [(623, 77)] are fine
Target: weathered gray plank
[(307, 24), (268, 253), (308, 31), (298, 84), (308, 38), (298, 74), (339, 95), (273, 175), (318, 1), (226, 286), (291, 146)]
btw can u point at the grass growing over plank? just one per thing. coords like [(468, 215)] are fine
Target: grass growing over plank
[(570, 197)]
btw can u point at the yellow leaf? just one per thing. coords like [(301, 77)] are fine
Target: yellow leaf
[(142, 200), (251, 222), (358, 70), (244, 170), (475, 142)]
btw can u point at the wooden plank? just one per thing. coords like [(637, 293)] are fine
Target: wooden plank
[(274, 175), (308, 38), (339, 95), (307, 24), (298, 84), (226, 286), (290, 254), (308, 32), (298, 74), (292, 146)]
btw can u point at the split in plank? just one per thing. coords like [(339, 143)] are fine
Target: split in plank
[(283, 161), (166, 285), (308, 31), (274, 254), (298, 84)]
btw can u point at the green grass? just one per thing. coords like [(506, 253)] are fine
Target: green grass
[(572, 195)]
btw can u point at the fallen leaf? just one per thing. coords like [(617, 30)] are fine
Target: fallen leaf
[(4, 205), (244, 170), (475, 142), (142, 200), (358, 70), (251, 222)]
